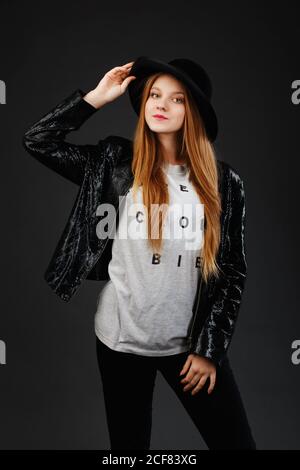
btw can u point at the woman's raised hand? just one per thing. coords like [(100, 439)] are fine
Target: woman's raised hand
[(113, 84)]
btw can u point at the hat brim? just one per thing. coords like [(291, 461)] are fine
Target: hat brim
[(144, 66)]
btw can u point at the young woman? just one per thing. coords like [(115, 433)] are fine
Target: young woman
[(173, 256)]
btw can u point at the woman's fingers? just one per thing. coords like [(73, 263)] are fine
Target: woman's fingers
[(118, 70), (192, 382), (200, 384), (212, 383), (121, 71), (123, 68), (197, 384), (186, 366), (197, 370), (126, 82)]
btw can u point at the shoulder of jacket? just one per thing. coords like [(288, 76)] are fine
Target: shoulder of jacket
[(230, 171), (117, 144)]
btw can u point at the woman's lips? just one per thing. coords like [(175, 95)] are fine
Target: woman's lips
[(160, 118)]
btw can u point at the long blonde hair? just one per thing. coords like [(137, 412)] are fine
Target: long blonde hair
[(197, 151)]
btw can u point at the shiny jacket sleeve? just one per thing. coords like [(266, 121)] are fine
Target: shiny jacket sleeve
[(45, 139), (216, 334)]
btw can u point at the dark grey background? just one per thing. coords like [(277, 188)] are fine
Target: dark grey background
[(51, 396)]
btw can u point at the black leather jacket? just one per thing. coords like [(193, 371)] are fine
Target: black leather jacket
[(103, 173)]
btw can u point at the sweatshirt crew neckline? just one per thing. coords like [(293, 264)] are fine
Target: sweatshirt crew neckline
[(175, 169)]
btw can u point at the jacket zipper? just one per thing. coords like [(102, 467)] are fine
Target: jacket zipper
[(196, 312)]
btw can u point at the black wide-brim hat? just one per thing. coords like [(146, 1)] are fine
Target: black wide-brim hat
[(190, 73)]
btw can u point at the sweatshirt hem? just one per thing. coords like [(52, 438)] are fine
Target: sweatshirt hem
[(119, 348)]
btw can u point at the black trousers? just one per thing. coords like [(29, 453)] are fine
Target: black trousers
[(128, 383)]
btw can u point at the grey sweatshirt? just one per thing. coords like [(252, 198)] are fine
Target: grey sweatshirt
[(146, 306)]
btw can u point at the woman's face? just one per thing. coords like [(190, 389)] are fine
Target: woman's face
[(166, 98)]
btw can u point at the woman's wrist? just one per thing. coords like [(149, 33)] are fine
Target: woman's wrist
[(93, 99)]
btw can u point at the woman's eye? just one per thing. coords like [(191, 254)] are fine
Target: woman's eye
[(182, 100), (179, 99)]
